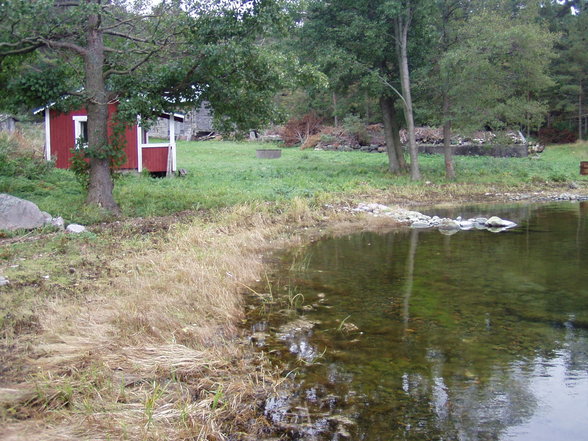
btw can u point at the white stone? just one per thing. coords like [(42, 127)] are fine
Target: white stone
[(449, 224), (4, 281), (466, 225), (496, 222), (75, 229)]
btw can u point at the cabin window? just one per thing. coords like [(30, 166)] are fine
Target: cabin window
[(80, 130)]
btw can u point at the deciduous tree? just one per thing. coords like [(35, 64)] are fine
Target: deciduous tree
[(149, 56)]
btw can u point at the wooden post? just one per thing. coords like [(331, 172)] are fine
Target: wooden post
[(47, 133), (139, 145), (171, 151)]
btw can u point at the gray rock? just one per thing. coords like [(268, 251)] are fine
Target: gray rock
[(466, 225), (75, 229), (449, 224), (420, 224), (16, 213), (4, 281), (297, 326), (58, 222), (496, 222)]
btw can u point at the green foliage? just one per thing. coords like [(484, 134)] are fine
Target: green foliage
[(570, 68), (80, 166), (356, 127), (496, 71), (114, 152)]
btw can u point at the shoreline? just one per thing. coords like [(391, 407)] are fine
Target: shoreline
[(150, 346)]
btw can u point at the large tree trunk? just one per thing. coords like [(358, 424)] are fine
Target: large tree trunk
[(449, 164), (101, 184), (402, 41), (396, 162)]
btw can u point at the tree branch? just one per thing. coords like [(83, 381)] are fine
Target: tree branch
[(23, 50), (132, 69), (127, 22), (126, 36), (64, 45)]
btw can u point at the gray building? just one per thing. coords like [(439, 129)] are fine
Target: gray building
[(7, 123), (197, 122)]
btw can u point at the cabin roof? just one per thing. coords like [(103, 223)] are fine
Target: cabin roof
[(177, 116)]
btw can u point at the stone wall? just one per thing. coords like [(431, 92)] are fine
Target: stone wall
[(501, 151)]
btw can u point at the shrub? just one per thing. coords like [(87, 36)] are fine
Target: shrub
[(297, 130), (357, 129), (551, 135)]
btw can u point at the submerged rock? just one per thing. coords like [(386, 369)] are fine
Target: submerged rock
[(420, 224), (297, 326)]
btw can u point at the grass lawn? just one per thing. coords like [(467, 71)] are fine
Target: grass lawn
[(224, 174)]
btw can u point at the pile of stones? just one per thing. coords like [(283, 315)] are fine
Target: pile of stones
[(445, 225)]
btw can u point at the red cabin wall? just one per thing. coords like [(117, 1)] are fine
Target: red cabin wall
[(62, 135)]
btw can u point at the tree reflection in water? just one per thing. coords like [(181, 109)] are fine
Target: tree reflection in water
[(475, 336)]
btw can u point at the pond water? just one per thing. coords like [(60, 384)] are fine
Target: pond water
[(415, 335)]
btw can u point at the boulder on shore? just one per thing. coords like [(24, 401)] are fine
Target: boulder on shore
[(16, 214)]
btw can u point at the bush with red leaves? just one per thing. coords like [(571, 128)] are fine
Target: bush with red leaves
[(297, 130), (550, 135)]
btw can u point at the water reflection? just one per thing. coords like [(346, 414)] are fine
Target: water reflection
[(474, 336)]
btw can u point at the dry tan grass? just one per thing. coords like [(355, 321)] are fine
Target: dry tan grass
[(155, 352), (28, 138)]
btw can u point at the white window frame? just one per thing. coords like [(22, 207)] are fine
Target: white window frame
[(78, 120)]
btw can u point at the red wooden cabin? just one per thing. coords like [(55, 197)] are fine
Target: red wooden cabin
[(62, 130)]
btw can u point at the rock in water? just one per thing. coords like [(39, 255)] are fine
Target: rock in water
[(449, 225), (16, 214), (496, 222), (466, 224)]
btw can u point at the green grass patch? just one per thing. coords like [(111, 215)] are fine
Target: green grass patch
[(224, 174)]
